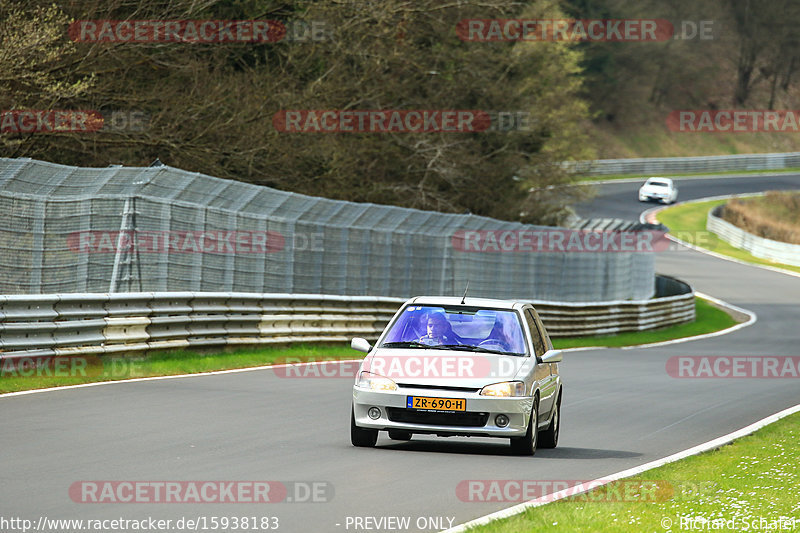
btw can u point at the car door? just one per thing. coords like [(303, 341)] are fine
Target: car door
[(554, 376), (542, 372)]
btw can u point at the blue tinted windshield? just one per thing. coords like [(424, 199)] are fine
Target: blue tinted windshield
[(492, 330)]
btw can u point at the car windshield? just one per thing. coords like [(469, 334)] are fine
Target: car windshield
[(458, 328), (658, 183)]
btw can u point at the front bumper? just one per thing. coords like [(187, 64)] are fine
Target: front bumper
[(395, 414)]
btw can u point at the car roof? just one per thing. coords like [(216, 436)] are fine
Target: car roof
[(454, 301), (664, 180)]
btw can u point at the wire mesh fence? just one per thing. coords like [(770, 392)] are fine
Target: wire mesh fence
[(119, 229)]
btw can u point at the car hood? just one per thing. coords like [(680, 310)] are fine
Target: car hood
[(445, 368)]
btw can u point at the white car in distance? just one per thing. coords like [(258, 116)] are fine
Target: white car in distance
[(659, 190)]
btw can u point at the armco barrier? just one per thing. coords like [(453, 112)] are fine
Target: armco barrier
[(65, 324), (651, 166), (782, 252)]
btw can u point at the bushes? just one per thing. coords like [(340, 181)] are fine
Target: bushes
[(774, 216)]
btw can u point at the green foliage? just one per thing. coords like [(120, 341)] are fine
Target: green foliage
[(34, 55), (210, 106)]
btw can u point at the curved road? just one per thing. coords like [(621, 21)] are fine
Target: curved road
[(619, 200), (620, 410)]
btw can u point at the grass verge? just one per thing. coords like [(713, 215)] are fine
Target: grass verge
[(708, 320), (755, 477), (166, 363), (688, 223), (89, 369), (776, 215)]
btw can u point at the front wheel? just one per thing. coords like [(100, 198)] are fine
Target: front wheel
[(361, 437), (527, 445), (549, 437)]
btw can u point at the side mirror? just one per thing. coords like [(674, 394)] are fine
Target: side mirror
[(360, 344), (552, 356)]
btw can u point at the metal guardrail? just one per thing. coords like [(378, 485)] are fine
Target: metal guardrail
[(650, 166), (782, 252), (71, 324)]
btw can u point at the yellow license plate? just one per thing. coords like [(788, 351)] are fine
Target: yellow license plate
[(436, 404)]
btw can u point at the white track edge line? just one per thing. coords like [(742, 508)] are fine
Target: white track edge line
[(175, 376), (694, 450), (749, 322)]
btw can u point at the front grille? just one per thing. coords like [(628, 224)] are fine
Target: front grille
[(437, 387), (409, 416)]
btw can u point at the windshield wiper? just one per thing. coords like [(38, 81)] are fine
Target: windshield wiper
[(404, 344), (470, 348), (465, 347)]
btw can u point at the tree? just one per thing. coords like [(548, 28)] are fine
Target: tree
[(211, 105), (36, 65)]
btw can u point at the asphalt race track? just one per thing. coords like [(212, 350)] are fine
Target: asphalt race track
[(619, 200), (620, 409)]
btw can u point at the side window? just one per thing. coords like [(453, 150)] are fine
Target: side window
[(536, 334), (548, 344)]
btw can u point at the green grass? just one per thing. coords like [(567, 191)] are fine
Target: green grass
[(755, 476), (688, 223), (643, 134), (708, 319), (166, 363), (589, 179)]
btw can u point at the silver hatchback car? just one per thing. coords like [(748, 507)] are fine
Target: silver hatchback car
[(460, 366)]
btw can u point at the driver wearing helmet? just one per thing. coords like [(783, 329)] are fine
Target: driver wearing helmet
[(439, 331)]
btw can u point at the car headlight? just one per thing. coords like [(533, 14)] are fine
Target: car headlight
[(368, 380), (504, 389)]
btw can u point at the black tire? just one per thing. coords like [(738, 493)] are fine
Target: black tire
[(549, 437), (361, 437), (527, 445), (399, 434)]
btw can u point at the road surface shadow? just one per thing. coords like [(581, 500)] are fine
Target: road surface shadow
[(499, 448)]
